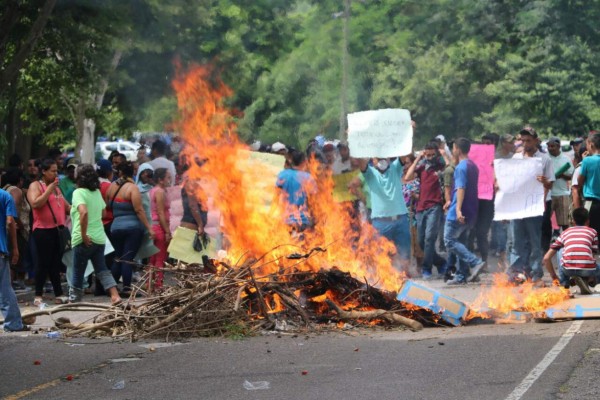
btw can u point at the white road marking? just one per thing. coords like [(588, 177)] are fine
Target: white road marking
[(546, 362)]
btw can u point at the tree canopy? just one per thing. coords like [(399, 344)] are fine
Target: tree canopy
[(463, 67)]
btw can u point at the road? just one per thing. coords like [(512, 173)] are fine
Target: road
[(471, 362)]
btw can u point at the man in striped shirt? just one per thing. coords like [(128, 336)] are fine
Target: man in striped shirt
[(575, 247)]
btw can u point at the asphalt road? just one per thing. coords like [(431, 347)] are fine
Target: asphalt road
[(471, 362)]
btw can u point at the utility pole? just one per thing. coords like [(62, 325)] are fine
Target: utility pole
[(345, 58)]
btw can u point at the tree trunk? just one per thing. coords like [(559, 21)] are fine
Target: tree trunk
[(86, 127)]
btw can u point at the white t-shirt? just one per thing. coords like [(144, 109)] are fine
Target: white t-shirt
[(560, 186)]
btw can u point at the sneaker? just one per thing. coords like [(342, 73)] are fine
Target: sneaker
[(583, 285), (456, 282), (23, 329), (427, 276), (19, 286), (476, 271)]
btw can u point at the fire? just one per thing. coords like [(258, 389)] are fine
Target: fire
[(504, 297), (244, 191)]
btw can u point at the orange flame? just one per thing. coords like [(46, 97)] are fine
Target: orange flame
[(504, 297), (244, 191)]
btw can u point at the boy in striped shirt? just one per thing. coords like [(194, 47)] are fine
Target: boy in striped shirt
[(576, 247)]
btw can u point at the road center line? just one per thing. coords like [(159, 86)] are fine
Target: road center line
[(546, 362)]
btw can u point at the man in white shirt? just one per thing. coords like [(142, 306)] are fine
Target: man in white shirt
[(526, 255), (563, 171), (159, 149)]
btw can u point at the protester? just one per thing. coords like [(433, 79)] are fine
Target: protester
[(330, 154), (462, 214), (526, 255), (105, 176), (342, 163), (67, 184), (501, 229), (427, 168), (389, 212), (160, 210), (145, 183), (576, 247), (49, 213), (159, 150), (129, 224), (279, 148), (411, 190), (589, 181), (8, 300), (32, 173), (576, 190), (12, 182), (142, 155), (576, 145), (297, 186), (563, 172), (88, 238)]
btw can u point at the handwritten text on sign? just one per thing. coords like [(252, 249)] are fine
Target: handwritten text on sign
[(520, 195), (380, 133), (483, 156)]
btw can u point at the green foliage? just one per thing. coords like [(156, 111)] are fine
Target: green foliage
[(463, 67)]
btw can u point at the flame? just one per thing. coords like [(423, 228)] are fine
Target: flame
[(243, 190), (504, 297)]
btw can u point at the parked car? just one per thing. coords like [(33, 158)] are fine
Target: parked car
[(103, 149)]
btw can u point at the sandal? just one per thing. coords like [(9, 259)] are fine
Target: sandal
[(61, 300)]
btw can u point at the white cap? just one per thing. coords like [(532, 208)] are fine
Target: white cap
[(441, 137), (277, 147), (255, 146)]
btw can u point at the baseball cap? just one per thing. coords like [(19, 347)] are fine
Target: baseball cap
[(441, 138), (528, 130), (576, 141), (554, 140), (73, 162), (277, 147), (103, 165)]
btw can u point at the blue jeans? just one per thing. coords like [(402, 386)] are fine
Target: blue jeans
[(126, 243), (500, 236), (81, 256), (428, 226), (527, 247), (8, 300), (398, 232), (453, 230)]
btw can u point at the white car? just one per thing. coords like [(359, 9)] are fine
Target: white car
[(103, 149)]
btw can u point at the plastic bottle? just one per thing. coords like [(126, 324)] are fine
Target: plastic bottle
[(53, 335)]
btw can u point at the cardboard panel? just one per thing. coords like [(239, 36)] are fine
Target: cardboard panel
[(580, 307), (449, 309)]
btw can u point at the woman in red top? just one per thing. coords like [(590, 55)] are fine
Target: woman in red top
[(46, 199), (160, 207)]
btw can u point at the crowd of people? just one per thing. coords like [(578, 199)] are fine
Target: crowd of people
[(116, 212), (428, 204), (109, 215)]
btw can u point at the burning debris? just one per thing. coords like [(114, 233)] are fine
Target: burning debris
[(203, 303)]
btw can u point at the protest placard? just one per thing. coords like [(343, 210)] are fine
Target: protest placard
[(380, 133), (483, 156), (341, 192), (520, 195)]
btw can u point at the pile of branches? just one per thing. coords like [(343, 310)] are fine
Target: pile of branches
[(216, 299)]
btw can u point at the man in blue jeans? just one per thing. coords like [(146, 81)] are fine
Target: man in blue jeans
[(8, 300), (388, 209), (527, 253), (427, 167), (462, 214)]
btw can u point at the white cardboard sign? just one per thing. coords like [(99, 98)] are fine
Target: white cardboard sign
[(380, 133), (520, 195)]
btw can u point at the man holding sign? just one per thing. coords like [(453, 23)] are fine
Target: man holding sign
[(379, 135), (527, 232)]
